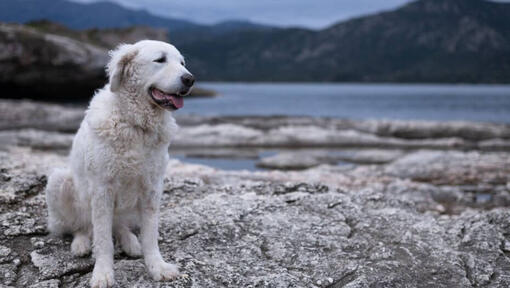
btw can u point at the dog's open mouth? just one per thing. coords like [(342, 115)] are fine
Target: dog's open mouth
[(166, 100)]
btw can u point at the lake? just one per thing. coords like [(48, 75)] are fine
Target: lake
[(489, 103)]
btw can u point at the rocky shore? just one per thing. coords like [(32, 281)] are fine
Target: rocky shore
[(421, 204)]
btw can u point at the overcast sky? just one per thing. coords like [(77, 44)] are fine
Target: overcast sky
[(309, 13)]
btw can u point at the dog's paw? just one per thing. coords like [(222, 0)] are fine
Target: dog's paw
[(131, 246), (102, 277), (80, 246), (162, 271)]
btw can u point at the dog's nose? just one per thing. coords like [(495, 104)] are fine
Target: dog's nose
[(188, 80)]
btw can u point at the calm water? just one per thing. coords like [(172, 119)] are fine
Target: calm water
[(358, 101)]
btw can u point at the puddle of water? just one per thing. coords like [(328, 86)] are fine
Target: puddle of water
[(227, 159), (483, 198)]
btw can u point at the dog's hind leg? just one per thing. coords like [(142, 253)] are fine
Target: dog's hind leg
[(127, 239), (81, 245), (60, 200)]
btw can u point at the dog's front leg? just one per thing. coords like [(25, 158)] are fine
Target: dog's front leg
[(157, 267), (102, 217)]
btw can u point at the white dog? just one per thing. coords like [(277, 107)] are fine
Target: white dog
[(118, 160)]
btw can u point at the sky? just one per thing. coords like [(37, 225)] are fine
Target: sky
[(307, 13)]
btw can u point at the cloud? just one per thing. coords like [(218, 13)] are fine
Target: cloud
[(310, 13)]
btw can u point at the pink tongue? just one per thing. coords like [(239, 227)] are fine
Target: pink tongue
[(178, 101), (158, 94)]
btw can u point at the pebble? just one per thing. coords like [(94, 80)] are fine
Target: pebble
[(39, 244), (506, 246)]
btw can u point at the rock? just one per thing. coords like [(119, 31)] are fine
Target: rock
[(28, 114), (495, 144), (305, 158), (224, 153), (54, 283), (36, 139), (32, 62), (47, 61), (105, 38), (453, 168), (270, 132), (4, 251), (419, 218), (56, 263), (290, 161), (431, 129), (366, 226), (369, 156)]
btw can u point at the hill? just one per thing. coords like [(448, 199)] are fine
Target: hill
[(424, 41), (84, 16)]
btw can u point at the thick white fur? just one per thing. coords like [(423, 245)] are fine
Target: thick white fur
[(117, 164)]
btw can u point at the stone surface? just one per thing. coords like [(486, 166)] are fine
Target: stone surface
[(308, 158), (293, 161), (414, 222), (280, 132), (32, 62), (36, 115), (410, 218)]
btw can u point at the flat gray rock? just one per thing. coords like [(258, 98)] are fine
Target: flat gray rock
[(412, 223), (199, 132)]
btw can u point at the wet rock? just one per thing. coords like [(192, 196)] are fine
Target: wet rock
[(370, 156), (36, 139), (291, 161), (303, 158), (455, 168), (224, 153), (28, 114), (267, 132), (431, 129)]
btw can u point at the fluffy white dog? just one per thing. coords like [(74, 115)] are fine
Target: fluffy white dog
[(118, 160)]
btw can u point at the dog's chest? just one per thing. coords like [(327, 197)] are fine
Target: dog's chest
[(140, 169), (140, 154)]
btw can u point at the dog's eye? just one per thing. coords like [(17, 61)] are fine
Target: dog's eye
[(161, 59)]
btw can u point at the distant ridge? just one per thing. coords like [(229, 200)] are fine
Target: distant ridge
[(423, 41), (84, 16)]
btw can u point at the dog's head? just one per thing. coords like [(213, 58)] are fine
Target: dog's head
[(153, 70)]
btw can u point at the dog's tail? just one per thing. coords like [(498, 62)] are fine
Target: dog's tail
[(60, 198)]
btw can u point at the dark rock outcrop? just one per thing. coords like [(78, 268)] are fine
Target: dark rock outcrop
[(48, 62), (50, 66)]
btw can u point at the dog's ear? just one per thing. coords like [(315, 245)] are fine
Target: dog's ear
[(117, 68)]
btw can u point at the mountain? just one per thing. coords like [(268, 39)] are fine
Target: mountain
[(228, 29), (424, 41), (84, 16)]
